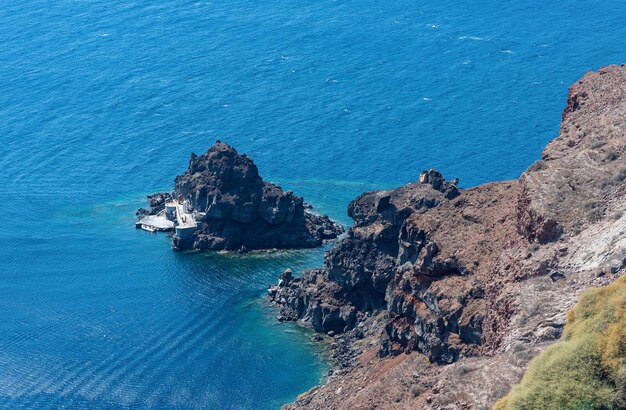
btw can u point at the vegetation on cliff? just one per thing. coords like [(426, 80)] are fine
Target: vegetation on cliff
[(587, 367)]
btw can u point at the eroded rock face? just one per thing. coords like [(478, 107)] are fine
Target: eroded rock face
[(482, 277), (583, 169), (237, 210), (437, 260), (425, 313), (386, 262), (532, 223)]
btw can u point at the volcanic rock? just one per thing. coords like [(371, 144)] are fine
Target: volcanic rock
[(449, 281), (157, 204), (237, 210)]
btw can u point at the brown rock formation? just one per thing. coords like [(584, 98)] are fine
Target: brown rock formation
[(480, 278)]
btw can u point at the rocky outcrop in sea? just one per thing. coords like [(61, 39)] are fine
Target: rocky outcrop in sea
[(237, 210)]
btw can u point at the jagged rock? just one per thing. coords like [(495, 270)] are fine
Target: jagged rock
[(158, 200), (466, 276), (364, 273), (285, 278), (142, 212), (533, 224), (237, 210), (437, 181), (157, 204), (548, 333)]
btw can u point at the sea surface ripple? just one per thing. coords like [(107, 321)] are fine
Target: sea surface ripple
[(102, 102)]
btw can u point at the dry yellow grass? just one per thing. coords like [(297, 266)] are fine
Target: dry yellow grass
[(586, 369)]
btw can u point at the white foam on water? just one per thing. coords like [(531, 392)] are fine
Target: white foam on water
[(474, 38)]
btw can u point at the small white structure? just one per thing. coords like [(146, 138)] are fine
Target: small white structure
[(175, 216), (186, 223)]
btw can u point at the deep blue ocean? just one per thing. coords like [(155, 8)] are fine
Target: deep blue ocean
[(102, 102)]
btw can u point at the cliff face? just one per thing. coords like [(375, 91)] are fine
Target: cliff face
[(360, 274), (421, 255), (479, 277), (237, 210)]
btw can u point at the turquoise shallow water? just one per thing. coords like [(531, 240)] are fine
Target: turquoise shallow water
[(102, 103)]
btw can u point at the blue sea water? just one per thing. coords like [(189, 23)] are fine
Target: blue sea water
[(102, 102)]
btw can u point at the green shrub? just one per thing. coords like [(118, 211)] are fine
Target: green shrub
[(586, 369)]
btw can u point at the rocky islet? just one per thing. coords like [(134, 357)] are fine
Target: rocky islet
[(237, 210)]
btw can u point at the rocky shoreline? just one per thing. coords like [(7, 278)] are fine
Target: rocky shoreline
[(432, 282), (436, 297)]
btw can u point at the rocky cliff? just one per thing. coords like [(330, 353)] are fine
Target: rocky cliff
[(358, 273), (474, 280), (237, 210)]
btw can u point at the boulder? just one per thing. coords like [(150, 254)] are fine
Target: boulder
[(615, 265)]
